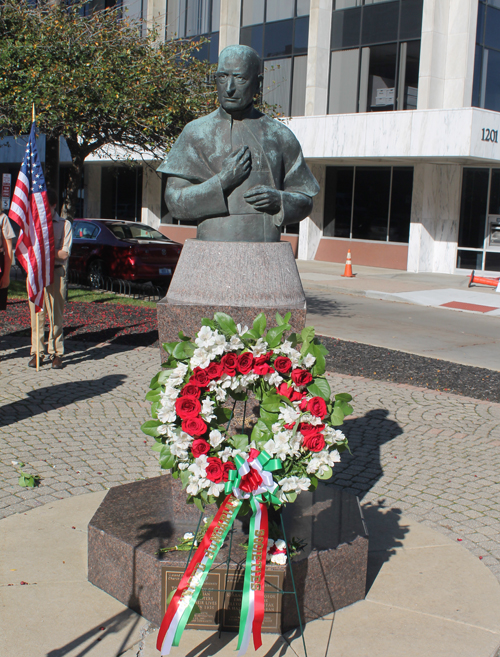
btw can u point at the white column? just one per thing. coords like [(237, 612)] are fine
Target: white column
[(318, 57), (156, 17), (230, 19), (151, 197), (447, 53), (311, 228), (92, 190), (435, 216)]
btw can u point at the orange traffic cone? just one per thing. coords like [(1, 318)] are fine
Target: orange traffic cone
[(482, 280), (348, 266)]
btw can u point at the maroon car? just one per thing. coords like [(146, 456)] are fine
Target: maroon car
[(124, 250)]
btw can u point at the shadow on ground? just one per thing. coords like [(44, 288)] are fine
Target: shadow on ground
[(56, 396)]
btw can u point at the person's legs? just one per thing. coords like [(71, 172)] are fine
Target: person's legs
[(4, 291), (55, 296), (40, 317)]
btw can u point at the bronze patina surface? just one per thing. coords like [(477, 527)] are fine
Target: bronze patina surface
[(237, 173)]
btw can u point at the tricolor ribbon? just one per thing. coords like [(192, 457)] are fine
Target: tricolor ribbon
[(252, 480)]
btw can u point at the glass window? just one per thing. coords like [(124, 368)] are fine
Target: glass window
[(380, 23), (492, 28), (492, 261), (252, 12), (253, 37), (492, 95), (343, 81), (409, 64), (371, 203), (476, 87), (480, 23), (410, 26), (136, 232), (469, 259), (381, 78), (277, 80), (473, 207), (215, 16), (344, 4), (85, 231), (402, 188), (346, 27), (209, 51), (299, 86), (338, 201), (176, 19), (278, 39), (197, 17), (278, 10), (495, 192), (301, 36), (303, 7), (123, 196)]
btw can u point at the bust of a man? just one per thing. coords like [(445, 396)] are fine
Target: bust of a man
[(236, 172)]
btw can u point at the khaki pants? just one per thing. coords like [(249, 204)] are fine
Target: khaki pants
[(55, 295)]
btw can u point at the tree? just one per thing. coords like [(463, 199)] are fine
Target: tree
[(100, 81)]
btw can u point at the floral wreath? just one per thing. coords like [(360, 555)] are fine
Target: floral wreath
[(293, 444), (297, 416)]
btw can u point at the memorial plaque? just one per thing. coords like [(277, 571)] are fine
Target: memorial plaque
[(221, 610)]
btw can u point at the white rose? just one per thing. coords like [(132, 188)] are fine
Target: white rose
[(279, 559), (215, 438)]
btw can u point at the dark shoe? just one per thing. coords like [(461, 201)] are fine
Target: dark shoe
[(57, 363), (32, 362)]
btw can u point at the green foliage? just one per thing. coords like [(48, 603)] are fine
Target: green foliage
[(28, 480), (226, 323), (96, 80), (320, 388)]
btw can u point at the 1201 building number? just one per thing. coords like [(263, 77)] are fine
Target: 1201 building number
[(490, 135)]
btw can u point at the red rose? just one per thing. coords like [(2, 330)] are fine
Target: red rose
[(286, 391), (262, 368), (191, 389), (245, 362), (229, 363), (303, 404), (282, 364), (307, 429), (301, 377), (194, 426), (215, 470), (199, 378), (315, 442), (317, 407), (199, 447), (187, 407), (250, 481), (214, 370), (289, 426), (229, 465)]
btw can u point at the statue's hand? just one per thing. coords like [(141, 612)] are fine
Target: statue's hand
[(235, 168), (266, 199)]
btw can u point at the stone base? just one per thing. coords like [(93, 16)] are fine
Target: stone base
[(241, 279), (136, 520)]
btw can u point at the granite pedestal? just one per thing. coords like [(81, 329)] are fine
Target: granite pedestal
[(241, 279), (135, 521)]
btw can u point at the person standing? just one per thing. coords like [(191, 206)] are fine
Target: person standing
[(6, 236), (55, 294)]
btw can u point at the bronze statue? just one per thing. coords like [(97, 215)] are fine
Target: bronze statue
[(239, 174)]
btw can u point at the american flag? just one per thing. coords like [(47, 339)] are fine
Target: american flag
[(30, 209)]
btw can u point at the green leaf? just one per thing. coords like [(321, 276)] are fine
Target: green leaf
[(337, 417), (272, 404), (198, 503), (28, 481), (184, 475), (279, 319), (156, 447), (150, 428), (170, 346), (319, 366), (291, 496), (343, 396), (261, 433), (154, 381), (238, 396), (183, 350), (273, 336), (222, 414), (167, 461), (326, 475), (153, 395), (226, 323), (184, 338), (154, 409), (344, 407), (259, 324), (208, 322), (268, 417), (239, 441), (314, 482), (320, 388)]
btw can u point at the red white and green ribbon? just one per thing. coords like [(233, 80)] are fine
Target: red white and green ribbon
[(252, 480)]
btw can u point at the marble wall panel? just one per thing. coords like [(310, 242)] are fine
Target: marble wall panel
[(484, 149), (311, 228)]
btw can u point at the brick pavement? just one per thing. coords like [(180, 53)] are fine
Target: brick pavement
[(433, 455)]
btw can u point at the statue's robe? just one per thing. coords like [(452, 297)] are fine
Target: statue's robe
[(194, 191)]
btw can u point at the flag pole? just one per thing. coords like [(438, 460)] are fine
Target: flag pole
[(37, 351)]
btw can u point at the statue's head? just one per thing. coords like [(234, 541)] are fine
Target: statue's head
[(238, 78)]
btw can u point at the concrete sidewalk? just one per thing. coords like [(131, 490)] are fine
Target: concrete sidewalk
[(427, 289), (427, 596)]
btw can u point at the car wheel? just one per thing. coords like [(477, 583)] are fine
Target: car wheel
[(96, 274)]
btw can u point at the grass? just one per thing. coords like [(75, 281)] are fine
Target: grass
[(17, 290)]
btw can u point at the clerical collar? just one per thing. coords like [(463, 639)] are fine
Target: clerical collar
[(249, 113)]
